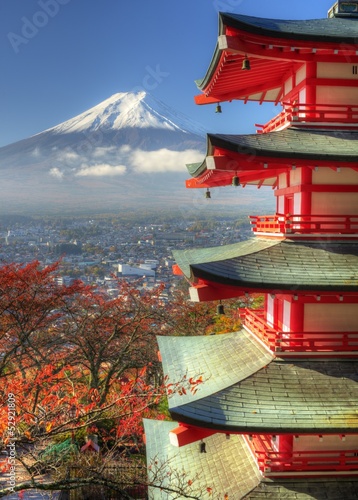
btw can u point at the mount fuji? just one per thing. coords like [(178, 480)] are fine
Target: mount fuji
[(127, 152)]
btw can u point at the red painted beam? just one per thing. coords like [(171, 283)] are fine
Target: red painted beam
[(181, 436)]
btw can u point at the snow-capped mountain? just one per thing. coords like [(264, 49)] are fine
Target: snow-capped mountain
[(127, 150), (129, 110)]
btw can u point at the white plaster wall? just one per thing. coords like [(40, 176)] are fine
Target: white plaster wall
[(288, 85), (270, 310), (295, 177), (336, 95), (312, 443), (281, 205), (326, 175), (335, 204), (297, 203), (301, 74), (273, 95), (282, 181), (302, 96), (286, 320), (336, 70), (330, 317)]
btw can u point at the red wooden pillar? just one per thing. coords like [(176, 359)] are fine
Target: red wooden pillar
[(285, 447), (311, 75), (306, 194), (296, 316)]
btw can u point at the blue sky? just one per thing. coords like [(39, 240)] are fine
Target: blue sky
[(61, 57)]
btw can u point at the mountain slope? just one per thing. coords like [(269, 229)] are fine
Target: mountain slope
[(117, 154), (128, 152), (129, 110)]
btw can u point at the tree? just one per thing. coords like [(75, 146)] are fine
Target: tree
[(199, 318), (110, 337), (31, 310), (74, 362)]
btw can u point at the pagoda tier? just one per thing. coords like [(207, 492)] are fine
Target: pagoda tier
[(274, 266), (259, 159), (314, 174), (228, 468), (310, 291), (284, 387), (246, 389), (297, 417), (285, 58)]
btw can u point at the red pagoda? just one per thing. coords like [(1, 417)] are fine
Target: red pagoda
[(277, 414)]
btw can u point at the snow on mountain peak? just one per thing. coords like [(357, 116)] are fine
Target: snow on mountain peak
[(128, 110)]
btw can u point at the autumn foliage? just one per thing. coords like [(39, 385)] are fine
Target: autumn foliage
[(76, 361), (79, 363)]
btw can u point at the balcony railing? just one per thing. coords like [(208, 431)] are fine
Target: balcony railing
[(292, 225), (312, 114), (285, 343), (271, 461)]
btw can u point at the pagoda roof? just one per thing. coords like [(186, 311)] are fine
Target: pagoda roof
[(343, 30), (296, 396), (219, 369), (255, 156), (228, 467), (275, 265), (273, 46), (305, 488)]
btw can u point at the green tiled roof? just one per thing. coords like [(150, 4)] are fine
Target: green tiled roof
[(293, 143), (275, 265), (306, 489), (281, 396), (334, 30), (227, 467), (338, 30), (215, 357)]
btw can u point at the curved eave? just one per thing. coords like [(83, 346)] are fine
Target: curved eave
[(294, 397), (284, 265), (272, 46), (214, 358), (325, 30), (227, 466), (260, 158), (245, 389)]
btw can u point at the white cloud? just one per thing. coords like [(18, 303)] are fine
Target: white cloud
[(163, 160), (56, 172), (67, 156), (103, 151), (125, 149), (36, 152), (101, 170)]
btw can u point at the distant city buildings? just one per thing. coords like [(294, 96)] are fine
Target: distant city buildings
[(110, 249)]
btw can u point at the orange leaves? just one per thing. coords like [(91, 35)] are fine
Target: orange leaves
[(94, 395), (4, 466), (182, 391), (49, 426), (76, 347), (199, 380), (183, 386)]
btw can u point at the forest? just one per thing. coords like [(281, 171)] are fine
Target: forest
[(79, 370)]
